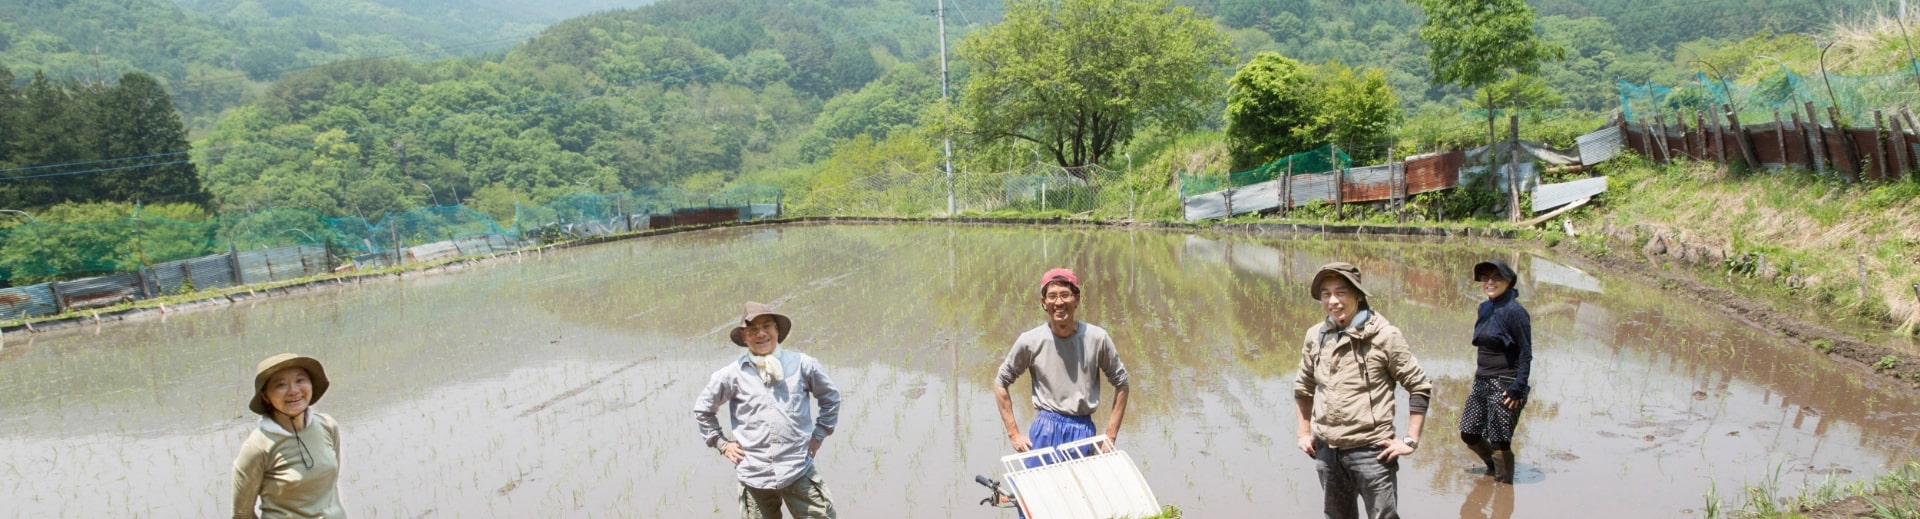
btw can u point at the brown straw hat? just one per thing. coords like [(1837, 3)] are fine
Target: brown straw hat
[(754, 310), (274, 364), (1337, 268)]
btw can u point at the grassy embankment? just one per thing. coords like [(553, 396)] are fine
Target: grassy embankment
[(1893, 496)]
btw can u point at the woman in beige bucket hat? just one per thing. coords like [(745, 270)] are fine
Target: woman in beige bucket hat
[(287, 466)]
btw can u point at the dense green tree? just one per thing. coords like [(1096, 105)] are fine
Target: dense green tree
[(1079, 77), (1358, 112), (1476, 43), (1277, 106), (1271, 103), (138, 120)]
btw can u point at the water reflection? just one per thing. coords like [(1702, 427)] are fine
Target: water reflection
[(560, 385)]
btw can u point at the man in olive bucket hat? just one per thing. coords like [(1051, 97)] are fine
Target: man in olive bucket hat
[(1349, 365), (775, 434)]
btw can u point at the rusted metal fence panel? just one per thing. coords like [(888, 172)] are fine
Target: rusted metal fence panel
[(1433, 172), (1795, 151), (1839, 156), (1867, 148), (1881, 154), (100, 291), (27, 301), (1368, 184), (1766, 144)]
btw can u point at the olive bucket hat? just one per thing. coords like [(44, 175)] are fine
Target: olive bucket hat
[(753, 310), (274, 364), (1337, 268)]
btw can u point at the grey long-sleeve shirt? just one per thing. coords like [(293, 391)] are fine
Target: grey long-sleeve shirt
[(1063, 368), (772, 422)]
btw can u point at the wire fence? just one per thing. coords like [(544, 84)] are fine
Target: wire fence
[(899, 191), (1852, 98)]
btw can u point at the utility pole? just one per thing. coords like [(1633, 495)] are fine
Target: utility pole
[(946, 141)]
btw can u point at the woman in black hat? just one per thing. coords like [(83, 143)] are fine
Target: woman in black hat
[(1504, 335), (288, 466)]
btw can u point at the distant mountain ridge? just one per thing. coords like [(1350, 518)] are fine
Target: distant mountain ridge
[(210, 53)]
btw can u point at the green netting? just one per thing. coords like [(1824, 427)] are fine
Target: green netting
[(40, 251), (1320, 160), (1757, 99)]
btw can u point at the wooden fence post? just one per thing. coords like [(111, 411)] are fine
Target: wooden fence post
[(1513, 175), (1897, 145), (233, 262), (1705, 151), (59, 299), (1719, 137), (1847, 146), (1228, 196), (1880, 162), (1780, 137), (141, 273), (1339, 182), (1816, 140), (1915, 126), (1741, 138), (1660, 123), (1286, 191), (1646, 130)]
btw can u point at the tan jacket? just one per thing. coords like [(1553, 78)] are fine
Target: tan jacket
[(1352, 406), (289, 477)]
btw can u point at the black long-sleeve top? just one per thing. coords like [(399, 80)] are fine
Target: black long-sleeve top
[(1504, 335)]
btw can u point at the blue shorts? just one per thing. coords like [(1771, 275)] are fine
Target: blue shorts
[(1052, 429)]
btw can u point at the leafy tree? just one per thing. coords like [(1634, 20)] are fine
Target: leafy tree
[(1271, 103), (1475, 43), (1276, 107), (1078, 77), (1358, 111)]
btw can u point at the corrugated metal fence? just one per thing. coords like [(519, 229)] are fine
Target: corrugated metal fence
[(1396, 181), (213, 272), (1889, 151)]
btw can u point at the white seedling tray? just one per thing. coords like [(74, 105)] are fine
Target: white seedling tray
[(1071, 484)]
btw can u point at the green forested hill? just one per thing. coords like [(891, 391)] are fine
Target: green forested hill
[(617, 100), (702, 92), (210, 53), (1636, 40)]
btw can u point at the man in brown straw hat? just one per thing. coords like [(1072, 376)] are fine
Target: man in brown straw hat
[(775, 435), (1349, 365), (287, 466)]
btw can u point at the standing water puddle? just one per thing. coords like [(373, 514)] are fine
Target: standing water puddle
[(562, 385)]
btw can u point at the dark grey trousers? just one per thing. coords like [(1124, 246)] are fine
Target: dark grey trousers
[(1349, 473)]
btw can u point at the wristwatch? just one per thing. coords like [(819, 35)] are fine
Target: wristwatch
[(1415, 444)]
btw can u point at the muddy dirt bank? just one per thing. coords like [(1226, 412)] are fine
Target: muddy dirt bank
[(1677, 267)]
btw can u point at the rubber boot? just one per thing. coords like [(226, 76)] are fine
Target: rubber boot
[(1485, 452), (1503, 466)]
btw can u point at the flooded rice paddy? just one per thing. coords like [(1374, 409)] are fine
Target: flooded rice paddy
[(561, 385)]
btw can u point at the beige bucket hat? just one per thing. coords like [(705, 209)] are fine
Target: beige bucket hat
[(753, 310), (1337, 268), (274, 364)]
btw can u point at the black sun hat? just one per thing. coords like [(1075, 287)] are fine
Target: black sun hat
[(1498, 266)]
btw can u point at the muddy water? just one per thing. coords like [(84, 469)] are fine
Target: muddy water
[(561, 385)]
